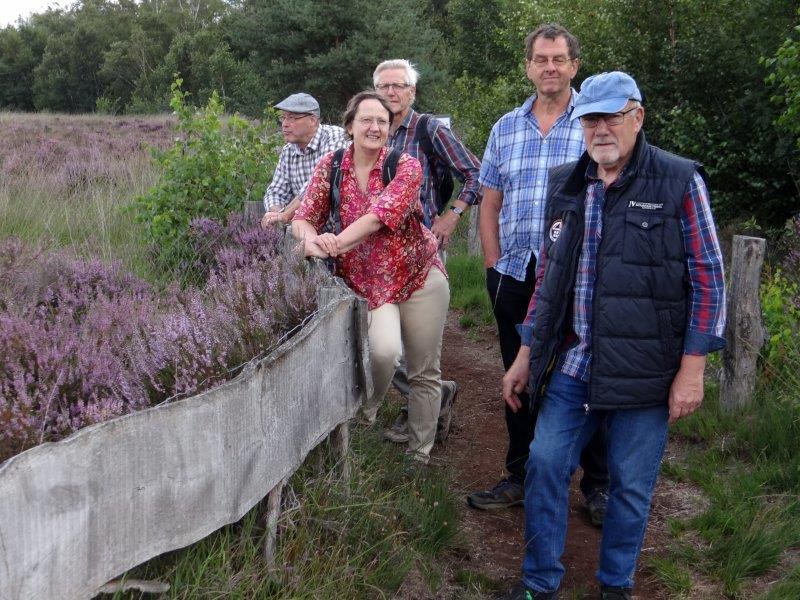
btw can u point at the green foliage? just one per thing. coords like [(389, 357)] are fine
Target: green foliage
[(782, 320), (214, 166), (784, 69), (329, 49), (697, 63)]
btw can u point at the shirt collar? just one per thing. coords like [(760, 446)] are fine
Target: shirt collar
[(347, 159), (411, 116), (527, 106), (313, 145)]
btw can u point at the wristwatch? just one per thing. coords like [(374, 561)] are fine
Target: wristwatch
[(457, 209)]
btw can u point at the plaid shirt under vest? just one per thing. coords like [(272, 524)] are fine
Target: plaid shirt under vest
[(295, 166)]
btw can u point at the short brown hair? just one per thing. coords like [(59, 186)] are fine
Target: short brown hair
[(352, 107), (552, 31)]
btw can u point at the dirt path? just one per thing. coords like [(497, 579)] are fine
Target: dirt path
[(476, 450)]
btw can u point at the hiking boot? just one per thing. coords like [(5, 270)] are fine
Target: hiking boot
[(449, 393), (506, 493), (615, 593), (521, 592), (596, 505), (398, 432)]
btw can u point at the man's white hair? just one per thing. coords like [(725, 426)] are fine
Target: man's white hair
[(412, 75)]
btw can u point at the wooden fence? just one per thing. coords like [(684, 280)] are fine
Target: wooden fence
[(76, 513)]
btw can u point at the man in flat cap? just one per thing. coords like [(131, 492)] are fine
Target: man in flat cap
[(629, 300), (307, 140)]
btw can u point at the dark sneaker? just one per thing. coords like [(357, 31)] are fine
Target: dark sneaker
[(398, 432), (615, 593), (505, 494), (596, 504), (449, 393), (521, 592)]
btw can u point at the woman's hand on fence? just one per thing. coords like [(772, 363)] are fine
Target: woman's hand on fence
[(329, 243), (312, 249)]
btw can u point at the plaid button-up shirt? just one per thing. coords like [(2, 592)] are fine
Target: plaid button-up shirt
[(452, 155), (295, 166), (705, 322), (516, 162)]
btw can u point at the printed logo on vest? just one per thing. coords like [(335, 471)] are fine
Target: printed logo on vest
[(555, 230), (646, 205)]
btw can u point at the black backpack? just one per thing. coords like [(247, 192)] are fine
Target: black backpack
[(388, 173), (442, 177)]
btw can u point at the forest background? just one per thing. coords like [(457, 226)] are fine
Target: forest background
[(721, 78)]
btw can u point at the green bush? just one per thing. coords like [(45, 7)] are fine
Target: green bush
[(215, 165), (782, 320)]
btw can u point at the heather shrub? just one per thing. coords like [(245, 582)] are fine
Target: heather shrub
[(214, 166), (82, 341)]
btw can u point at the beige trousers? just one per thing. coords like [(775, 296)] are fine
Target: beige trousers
[(414, 327)]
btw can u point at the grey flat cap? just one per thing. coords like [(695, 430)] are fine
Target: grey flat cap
[(299, 103)]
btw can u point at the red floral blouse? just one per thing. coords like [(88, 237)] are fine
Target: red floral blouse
[(392, 263)]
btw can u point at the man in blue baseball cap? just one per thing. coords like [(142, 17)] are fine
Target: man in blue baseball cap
[(629, 300)]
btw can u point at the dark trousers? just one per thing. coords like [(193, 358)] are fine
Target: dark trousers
[(510, 299)]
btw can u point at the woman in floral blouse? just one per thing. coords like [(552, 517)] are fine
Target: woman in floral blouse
[(385, 254)]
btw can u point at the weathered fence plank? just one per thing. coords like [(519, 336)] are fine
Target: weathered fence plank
[(744, 331), (76, 513), (253, 210)]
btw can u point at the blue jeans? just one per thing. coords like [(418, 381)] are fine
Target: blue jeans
[(636, 440)]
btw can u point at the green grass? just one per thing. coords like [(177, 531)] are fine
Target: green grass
[(672, 574), (468, 289), (356, 539), (748, 465)]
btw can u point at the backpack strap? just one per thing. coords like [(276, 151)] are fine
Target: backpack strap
[(442, 181), (335, 181), (424, 139), (390, 166)]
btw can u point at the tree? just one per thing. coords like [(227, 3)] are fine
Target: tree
[(328, 49)]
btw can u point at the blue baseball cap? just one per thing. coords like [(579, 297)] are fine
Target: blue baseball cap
[(605, 93)]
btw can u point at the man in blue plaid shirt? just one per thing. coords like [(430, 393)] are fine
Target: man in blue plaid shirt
[(523, 145)]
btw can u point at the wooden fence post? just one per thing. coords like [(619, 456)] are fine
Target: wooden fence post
[(744, 330), (473, 237), (273, 515), (253, 209), (340, 442)]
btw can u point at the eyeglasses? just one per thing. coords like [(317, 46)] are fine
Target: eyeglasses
[(368, 121), (291, 117), (558, 61), (397, 87), (591, 121)]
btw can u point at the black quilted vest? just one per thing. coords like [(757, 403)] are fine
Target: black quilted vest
[(641, 289)]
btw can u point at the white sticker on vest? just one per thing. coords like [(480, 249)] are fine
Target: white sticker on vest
[(646, 205), (555, 230)]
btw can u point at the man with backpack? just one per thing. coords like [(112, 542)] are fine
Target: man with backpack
[(442, 155)]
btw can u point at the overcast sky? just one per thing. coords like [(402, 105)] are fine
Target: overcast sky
[(11, 9)]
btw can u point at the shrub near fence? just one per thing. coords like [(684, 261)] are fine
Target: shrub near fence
[(76, 513)]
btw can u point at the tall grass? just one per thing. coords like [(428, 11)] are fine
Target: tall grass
[(748, 465), (64, 182)]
